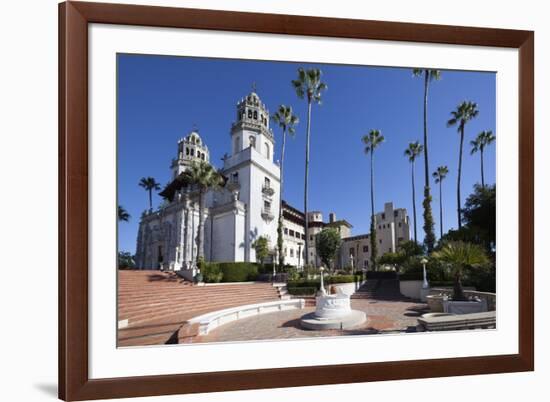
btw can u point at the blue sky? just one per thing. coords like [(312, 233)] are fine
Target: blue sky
[(160, 98)]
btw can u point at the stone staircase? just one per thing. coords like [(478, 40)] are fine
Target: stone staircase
[(153, 305), (379, 289), (366, 291)]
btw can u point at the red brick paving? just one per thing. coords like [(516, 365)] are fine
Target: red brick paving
[(382, 317)]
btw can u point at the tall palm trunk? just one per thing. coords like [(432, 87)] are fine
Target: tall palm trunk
[(426, 167), (414, 201), (458, 290), (429, 238), (459, 176), (200, 231), (306, 181), (280, 224), (372, 182), (482, 175), (150, 199), (373, 216), (440, 209)]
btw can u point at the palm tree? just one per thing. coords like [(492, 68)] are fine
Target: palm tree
[(412, 152), (309, 86), (202, 176), (461, 256), (371, 141), (429, 238), (123, 215), (149, 184), (464, 112), (482, 140), (439, 175), (286, 120)]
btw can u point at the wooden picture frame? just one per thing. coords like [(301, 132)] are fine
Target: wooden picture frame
[(74, 381)]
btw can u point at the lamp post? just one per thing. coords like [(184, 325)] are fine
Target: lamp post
[(425, 284), (351, 262)]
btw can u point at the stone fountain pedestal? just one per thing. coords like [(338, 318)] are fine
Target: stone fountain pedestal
[(333, 312)]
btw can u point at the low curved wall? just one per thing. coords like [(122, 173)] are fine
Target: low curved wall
[(208, 322)]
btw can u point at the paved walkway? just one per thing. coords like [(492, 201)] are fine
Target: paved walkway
[(382, 317)]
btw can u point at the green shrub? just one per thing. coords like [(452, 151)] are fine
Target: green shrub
[(304, 283), (316, 283), (267, 268), (238, 271), (293, 273), (381, 274), (211, 272), (302, 291), (412, 270)]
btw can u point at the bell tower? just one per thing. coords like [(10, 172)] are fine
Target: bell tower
[(251, 127), (251, 169), (190, 148)]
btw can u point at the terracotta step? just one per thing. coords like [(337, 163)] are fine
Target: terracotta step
[(173, 310), (137, 294), (183, 298), (157, 304)]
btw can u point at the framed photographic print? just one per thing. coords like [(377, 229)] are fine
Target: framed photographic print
[(259, 201)]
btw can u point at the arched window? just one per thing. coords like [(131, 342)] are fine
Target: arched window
[(255, 115), (237, 145), (249, 113), (267, 151), (252, 140)]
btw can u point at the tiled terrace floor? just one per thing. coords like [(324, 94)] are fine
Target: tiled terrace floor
[(382, 317)]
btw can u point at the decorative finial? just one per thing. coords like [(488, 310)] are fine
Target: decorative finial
[(254, 86), (195, 128)]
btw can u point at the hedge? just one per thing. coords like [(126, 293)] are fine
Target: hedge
[(238, 271), (211, 272), (316, 283), (302, 291), (381, 275)]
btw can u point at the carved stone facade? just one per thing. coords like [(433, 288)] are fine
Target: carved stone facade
[(245, 209)]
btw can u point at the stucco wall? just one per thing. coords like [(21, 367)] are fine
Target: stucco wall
[(410, 288)]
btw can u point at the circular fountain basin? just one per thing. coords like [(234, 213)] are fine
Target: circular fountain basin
[(333, 312)]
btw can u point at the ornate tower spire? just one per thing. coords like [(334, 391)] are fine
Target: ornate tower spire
[(190, 148), (252, 126)]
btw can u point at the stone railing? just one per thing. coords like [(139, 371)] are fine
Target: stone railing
[(489, 298), (268, 190), (267, 214)]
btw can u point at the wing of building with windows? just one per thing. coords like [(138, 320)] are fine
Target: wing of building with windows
[(246, 208)]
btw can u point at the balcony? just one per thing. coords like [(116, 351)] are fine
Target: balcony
[(267, 214), (267, 190), (233, 184)]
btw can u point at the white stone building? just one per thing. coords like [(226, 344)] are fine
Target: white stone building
[(392, 229), (246, 208)]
